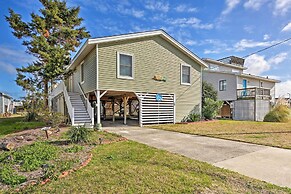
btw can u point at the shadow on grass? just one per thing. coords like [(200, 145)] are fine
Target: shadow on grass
[(60, 142)]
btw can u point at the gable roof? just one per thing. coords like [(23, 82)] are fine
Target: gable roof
[(90, 44), (5, 95)]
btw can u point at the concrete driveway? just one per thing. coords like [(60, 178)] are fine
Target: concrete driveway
[(261, 162)]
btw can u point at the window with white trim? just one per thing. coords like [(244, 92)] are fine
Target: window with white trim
[(222, 85), (125, 65), (185, 74)]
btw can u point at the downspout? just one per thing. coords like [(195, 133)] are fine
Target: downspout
[(201, 89), (255, 105)]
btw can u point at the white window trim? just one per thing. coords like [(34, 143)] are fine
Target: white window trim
[(219, 85), (82, 80), (181, 74), (118, 65)]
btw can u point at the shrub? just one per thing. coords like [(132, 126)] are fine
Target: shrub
[(211, 108), (79, 134), (9, 177), (31, 157), (53, 119), (192, 117), (280, 113), (74, 149), (31, 116)]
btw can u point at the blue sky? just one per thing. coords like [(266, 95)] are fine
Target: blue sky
[(210, 28)]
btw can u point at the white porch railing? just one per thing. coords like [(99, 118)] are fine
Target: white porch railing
[(70, 107), (61, 88), (90, 110)]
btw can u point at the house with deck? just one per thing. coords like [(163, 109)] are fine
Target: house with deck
[(245, 96), (149, 77), (6, 104)]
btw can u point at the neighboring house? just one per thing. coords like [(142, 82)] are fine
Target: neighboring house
[(17, 106), (245, 96), (147, 75), (6, 104)]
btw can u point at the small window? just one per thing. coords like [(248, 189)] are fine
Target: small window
[(82, 72), (222, 85), (261, 84), (185, 74), (124, 66)]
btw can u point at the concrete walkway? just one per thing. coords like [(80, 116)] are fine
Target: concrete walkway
[(261, 162)]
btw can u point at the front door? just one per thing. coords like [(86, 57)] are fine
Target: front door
[(245, 82)]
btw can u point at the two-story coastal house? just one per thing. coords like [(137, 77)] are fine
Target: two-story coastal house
[(147, 75), (245, 96)]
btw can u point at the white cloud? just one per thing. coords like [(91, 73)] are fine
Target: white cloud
[(10, 54), (157, 6), (287, 28), (191, 42), (244, 43), (277, 59), (208, 51), (7, 68), (249, 29), (230, 5), (282, 7), (283, 88), (266, 37), (254, 4), (130, 11), (190, 22), (256, 64), (185, 8)]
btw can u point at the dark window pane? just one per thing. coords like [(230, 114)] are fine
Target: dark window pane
[(185, 74), (125, 65)]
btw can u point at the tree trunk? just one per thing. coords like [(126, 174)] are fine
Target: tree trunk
[(46, 93)]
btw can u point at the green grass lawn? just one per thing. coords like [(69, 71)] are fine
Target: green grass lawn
[(15, 124), (130, 167), (265, 133)]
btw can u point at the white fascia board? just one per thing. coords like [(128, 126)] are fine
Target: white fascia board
[(77, 55), (259, 78)]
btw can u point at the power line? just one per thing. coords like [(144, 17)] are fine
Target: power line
[(278, 43)]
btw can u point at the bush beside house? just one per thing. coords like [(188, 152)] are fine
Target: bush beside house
[(280, 113)]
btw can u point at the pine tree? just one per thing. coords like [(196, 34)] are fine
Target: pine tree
[(50, 37)]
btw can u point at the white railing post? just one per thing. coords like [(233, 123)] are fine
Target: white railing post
[(73, 116)]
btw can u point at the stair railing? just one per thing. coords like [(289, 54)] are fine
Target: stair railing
[(89, 108), (68, 102)]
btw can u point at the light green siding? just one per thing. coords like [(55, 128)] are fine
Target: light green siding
[(152, 56), (89, 66)]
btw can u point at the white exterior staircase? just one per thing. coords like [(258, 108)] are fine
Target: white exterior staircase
[(79, 110), (81, 115)]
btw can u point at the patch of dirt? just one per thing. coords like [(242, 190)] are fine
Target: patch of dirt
[(67, 162), (30, 136)]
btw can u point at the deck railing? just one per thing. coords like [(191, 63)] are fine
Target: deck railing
[(89, 108), (254, 93), (68, 102)]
